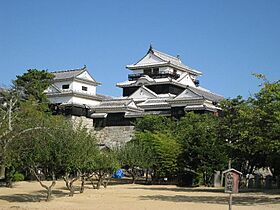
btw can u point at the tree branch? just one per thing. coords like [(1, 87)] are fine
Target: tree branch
[(38, 179), (21, 132)]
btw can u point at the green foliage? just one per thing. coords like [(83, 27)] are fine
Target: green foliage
[(190, 145), (134, 156), (165, 150), (50, 144), (202, 149), (33, 83), (18, 177), (105, 162), (252, 128), (154, 123), (248, 132)]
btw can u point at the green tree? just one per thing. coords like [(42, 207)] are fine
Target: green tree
[(237, 129), (8, 105), (40, 152), (165, 150), (13, 124), (202, 150), (34, 83), (104, 164), (154, 123), (31, 84), (266, 106), (77, 148), (135, 157), (48, 153), (252, 128)]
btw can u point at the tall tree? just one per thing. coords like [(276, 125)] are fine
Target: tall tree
[(33, 83), (266, 105), (136, 157), (77, 148), (202, 150), (41, 152), (165, 150), (104, 164), (252, 128), (154, 123)]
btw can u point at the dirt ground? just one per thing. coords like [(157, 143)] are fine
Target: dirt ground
[(30, 196)]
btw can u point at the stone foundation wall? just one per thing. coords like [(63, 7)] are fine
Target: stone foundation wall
[(110, 136), (114, 135)]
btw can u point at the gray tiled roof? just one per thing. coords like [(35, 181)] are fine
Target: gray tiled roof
[(173, 60), (169, 58), (165, 60), (68, 74), (104, 97), (206, 94), (115, 103)]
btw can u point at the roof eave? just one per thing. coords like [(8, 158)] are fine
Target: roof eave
[(135, 67)]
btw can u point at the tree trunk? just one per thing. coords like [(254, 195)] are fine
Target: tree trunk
[(93, 185), (9, 177), (69, 184), (99, 182), (278, 181), (147, 176), (9, 182), (82, 184), (49, 193), (72, 191), (133, 174), (49, 189), (2, 171), (106, 182), (133, 178)]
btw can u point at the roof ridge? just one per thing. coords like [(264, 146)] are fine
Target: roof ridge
[(171, 56), (149, 90), (206, 90), (69, 70)]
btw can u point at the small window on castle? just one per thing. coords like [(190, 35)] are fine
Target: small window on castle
[(147, 71), (156, 71), (65, 86), (84, 88)]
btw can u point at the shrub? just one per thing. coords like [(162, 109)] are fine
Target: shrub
[(18, 177)]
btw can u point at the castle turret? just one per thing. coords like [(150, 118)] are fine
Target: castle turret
[(161, 73)]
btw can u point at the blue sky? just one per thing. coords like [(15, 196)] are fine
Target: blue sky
[(226, 40)]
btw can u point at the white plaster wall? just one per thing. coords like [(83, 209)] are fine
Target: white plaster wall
[(165, 70), (77, 87), (141, 94), (60, 99), (180, 72), (187, 81), (149, 59), (51, 89), (59, 84), (89, 102), (85, 75), (73, 100)]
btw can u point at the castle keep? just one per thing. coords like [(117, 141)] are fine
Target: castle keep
[(159, 84)]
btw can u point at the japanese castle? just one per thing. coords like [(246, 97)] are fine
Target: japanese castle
[(159, 84)]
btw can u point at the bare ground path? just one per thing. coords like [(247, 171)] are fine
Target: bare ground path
[(30, 196)]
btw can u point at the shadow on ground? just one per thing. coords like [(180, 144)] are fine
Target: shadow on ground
[(244, 201), (34, 197), (178, 189), (210, 190)]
